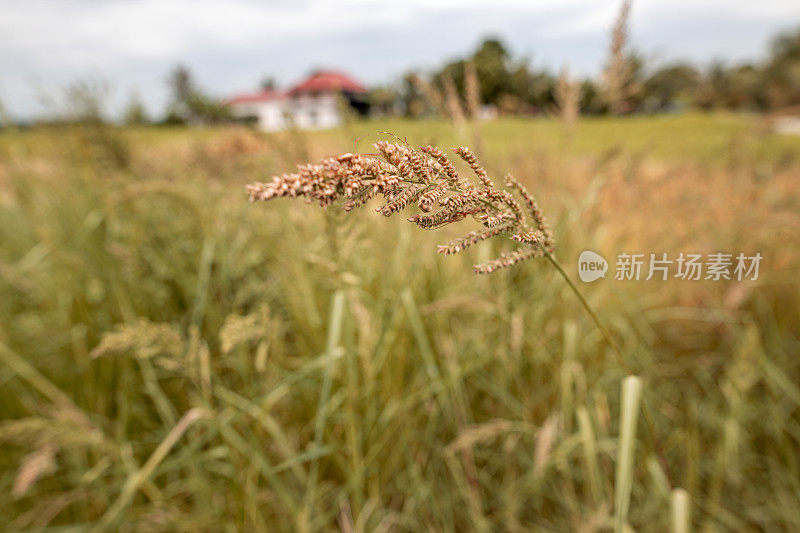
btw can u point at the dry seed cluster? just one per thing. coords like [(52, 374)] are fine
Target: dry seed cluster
[(427, 178)]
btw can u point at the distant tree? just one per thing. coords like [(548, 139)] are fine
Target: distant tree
[(712, 86), (409, 97), (781, 76), (492, 66), (181, 82), (455, 72), (732, 87), (591, 99), (786, 47), (383, 101), (191, 105), (773, 84), (420, 97), (268, 83), (207, 110), (627, 84), (742, 87), (671, 84), (172, 118), (135, 113), (498, 79), (85, 101), (534, 89), (5, 119)]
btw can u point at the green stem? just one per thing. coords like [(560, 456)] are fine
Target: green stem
[(606, 334), (620, 358)]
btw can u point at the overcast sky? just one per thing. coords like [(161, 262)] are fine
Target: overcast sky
[(230, 45)]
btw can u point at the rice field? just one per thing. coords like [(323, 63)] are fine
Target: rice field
[(175, 358)]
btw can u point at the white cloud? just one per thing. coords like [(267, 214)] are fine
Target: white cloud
[(156, 28)]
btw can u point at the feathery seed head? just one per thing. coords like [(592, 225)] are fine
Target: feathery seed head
[(402, 176), (467, 155)]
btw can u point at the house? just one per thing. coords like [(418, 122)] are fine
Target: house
[(317, 102), (265, 109)]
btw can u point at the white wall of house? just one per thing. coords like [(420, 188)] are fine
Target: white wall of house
[(272, 116), (304, 112), (269, 114), (315, 112)]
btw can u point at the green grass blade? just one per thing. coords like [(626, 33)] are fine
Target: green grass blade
[(631, 396), (681, 511)]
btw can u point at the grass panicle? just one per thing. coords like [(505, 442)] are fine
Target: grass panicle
[(617, 78), (568, 99), (427, 178)]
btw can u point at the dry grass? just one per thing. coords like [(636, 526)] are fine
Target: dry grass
[(454, 108), (293, 368), (433, 98), (568, 98), (617, 82), (472, 94)]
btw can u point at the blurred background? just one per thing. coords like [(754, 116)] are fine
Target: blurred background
[(183, 61), (174, 358)]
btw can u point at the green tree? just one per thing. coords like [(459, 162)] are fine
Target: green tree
[(135, 113), (712, 86), (383, 101), (781, 77), (592, 101), (190, 104), (535, 89), (492, 65), (670, 85), (742, 87)]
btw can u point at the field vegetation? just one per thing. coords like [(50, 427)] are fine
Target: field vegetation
[(173, 357)]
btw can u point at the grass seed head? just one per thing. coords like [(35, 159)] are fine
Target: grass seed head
[(404, 176)]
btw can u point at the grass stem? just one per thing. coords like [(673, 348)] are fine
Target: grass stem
[(631, 396), (620, 359)]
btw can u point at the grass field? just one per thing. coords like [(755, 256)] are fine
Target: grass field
[(174, 358)]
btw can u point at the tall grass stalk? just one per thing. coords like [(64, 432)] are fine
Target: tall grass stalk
[(589, 443), (620, 360), (681, 511), (617, 76), (136, 479), (331, 344), (45, 387), (631, 396)]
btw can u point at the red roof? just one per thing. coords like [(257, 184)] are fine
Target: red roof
[(327, 81), (261, 96)]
